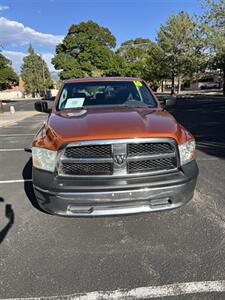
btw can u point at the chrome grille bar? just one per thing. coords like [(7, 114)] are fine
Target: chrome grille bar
[(150, 157), (86, 160)]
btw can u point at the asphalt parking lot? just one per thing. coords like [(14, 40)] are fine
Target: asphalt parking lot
[(43, 255)]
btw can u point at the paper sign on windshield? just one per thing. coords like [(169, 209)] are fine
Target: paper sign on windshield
[(74, 102)]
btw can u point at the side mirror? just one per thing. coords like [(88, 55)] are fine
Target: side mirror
[(168, 101), (42, 106)]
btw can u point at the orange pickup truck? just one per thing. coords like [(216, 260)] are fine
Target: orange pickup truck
[(109, 147)]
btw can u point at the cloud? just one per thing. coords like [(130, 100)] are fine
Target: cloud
[(3, 7), (48, 57), (14, 33), (17, 59)]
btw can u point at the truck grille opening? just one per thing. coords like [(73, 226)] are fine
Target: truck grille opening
[(119, 157), (87, 169), (88, 151), (148, 148), (151, 165)]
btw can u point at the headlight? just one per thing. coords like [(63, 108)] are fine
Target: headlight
[(187, 152), (44, 159)]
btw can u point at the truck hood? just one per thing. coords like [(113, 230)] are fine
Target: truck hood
[(112, 123)]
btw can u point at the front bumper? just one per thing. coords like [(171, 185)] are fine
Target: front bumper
[(83, 197)]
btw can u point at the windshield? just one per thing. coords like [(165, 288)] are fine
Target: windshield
[(111, 93)]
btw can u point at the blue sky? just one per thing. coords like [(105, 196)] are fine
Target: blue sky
[(45, 22)]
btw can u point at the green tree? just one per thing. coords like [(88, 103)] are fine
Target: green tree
[(156, 68), (181, 43), (8, 77), (134, 53), (214, 28), (87, 50), (35, 73)]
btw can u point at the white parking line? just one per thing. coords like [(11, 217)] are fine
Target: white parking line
[(17, 126), (6, 150), (208, 159), (33, 119), (15, 181), (16, 134), (35, 122), (176, 289)]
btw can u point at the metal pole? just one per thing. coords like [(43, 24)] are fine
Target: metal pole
[(1, 107), (43, 73)]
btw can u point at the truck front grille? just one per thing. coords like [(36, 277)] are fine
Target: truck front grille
[(88, 151), (87, 169), (118, 157), (149, 148), (151, 165)]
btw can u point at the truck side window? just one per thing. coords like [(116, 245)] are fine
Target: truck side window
[(63, 98)]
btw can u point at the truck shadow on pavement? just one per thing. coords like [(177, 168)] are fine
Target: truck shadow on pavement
[(28, 187), (204, 117), (9, 213)]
